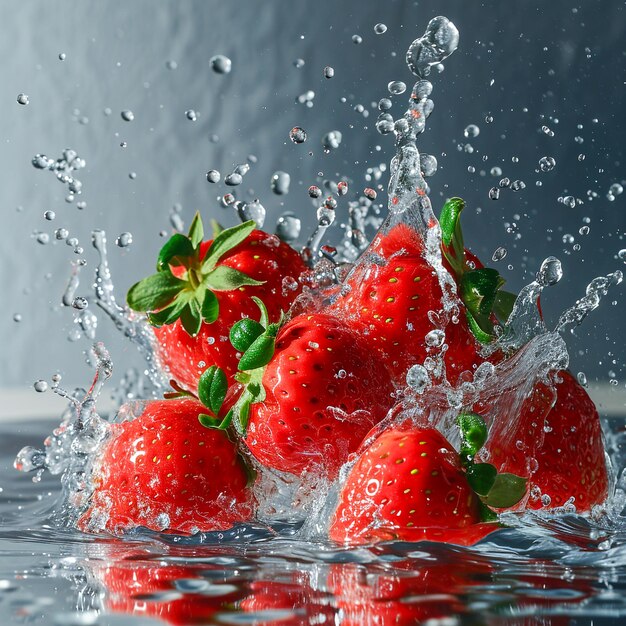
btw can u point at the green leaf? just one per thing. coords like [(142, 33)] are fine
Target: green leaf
[(212, 388), (507, 490), (449, 220), (473, 431), (479, 288), (259, 353), (168, 315), (154, 292), (503, 305), (191, 319), (244, 332), (224, 278), (216, 228), (196, 231), (175, 249), (264, 320), (225, 242), (210, 307), (483, 336), (486, 514), (481, 477)]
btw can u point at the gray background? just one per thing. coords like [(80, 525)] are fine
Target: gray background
[(556, 59)]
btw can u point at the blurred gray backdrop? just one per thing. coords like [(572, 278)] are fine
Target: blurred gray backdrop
[(524, 64)]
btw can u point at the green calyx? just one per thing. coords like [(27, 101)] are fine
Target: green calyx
[(191, 298), (495, 490), (480, 289)]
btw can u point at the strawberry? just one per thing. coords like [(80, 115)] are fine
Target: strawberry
[(164, 471), (408, 485), (397, 295), (555, 440), (323, 391), (202, 288)]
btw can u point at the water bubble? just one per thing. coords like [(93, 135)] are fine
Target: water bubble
[(17, 318), (384, 104), (191, 115), (494, 193), (171, 65), (297, 134), (504, 183), (242, 169), (331, 203), (369, 193), (569, 201), (499, 254), (22, 98), (357, 39), (547, 131), (428, 164), (253, 210), (396, 87), (61, 234), (280, 182), (583, 230), (496, 171), (621, 255), (471, 131), (298, 63), (42, 162), (616, 189), (127, 116), (288, 227), (314, 191), (550, 272), (379, 29), (62, 56), (42, 238), (417, 378), (29, 459), (329, 72), (49, 215), (581, 157), (213, 176), (546, 163), (331, 140), (233, 179), (488, 119), (40, 386), (342, 188), (80, 303), (221, 64), (435, 338), (213, 138), (325, 216), (518, 185), (124, 240)]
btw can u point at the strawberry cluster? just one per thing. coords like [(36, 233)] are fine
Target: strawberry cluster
[(263, 383)]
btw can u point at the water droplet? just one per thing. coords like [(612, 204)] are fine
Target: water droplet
[(124, 240), (438, 42), (213, 176), (80, 303), (325, 216), (417, 378), (288, 227), (428, 164), (583, 230), (228, 199), (370, 193), (357, 39), (546, 163), (61, 234), (550, 272), (384, 104), (127, 116), (582, 379), (17, 318), (331, 140), (518, 185), (253, 210), (62, 56), (298, 63), (191, 115), (499, 254), (494, 193), (396, 87), (342, 188), (40, 386), (569, 201), (297, 134), (435, 338), (616, 189), (314, 191), (49, 215), (22, 98), (471, 131), (233, 179), (42, 238), (221, 64), (329, 72), (171, 65), (280, 182), (496, 171), (621, 255)]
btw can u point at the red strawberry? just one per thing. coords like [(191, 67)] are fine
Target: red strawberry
[(325, 390), (165, 471), (399, 299), (408, 485), (556, 440), (203, 288)]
